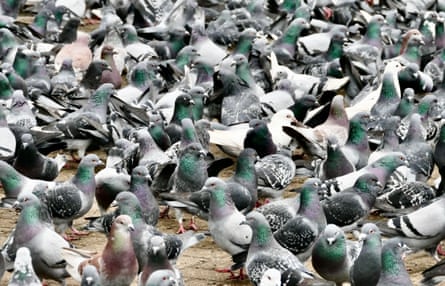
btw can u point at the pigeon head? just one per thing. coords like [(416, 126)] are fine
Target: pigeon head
[(27, 139), (333, 235), (122, 224), (218, 196), (91, 160), (90, 276), (107, 51), (183, 107), (128, 33), (368, 183), (429, 106), (26, 200), (124, 199), (187, 55), (157, 245), (140, 174), (367, 230), (391, 161)]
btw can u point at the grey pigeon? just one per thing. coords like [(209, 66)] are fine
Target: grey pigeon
[(225, 224), (298, 234), (265, 252), (278, 212), (90, 276), (433, 275), (74, 198), (275, 172), (23, 271), (20, 112), (139, 186), (393, 269), (116, 263), (30, 162), (354, 204), (43, 242), (333, 255), (190, 174), (335, 164), (415, 228), (366, 268)]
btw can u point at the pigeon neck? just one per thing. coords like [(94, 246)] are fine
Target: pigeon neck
[(220, 204), (357, 135), (30, 216), (292, 34), (84, 179), (373, 32), (5, 89), (12, 181), (412, 53), (39, 23), (181, 111), (390, 88), (262, 235), (440, 37), (335, 50), (242, 70), (139, 78), (244, 46), (245, 169), (392, 264), (335, 252)]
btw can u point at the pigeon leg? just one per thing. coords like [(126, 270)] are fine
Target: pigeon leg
[(192, 224), (164, 212), (232, 275), (77, 232)]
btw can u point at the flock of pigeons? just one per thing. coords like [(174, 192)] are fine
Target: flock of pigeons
[(347, 94)]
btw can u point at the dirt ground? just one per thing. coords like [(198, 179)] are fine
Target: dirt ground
[(198, 263)]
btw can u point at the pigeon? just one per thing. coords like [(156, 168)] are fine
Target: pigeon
[(438, 158), (182, 109), (42, 241), (33, 164), (413, 228), (299, 233), (64, 82), (23, 271), (275, 172), (336, 163), (190, 175), (333, 255), (83, 125), (90, 276), (111, 76), (8, 141), (242, 187), (366, 268), (116, 264), (20, 112), (79, 53), (382, 168), (139, 187), (265, 252), (278, 212), (393, 271), (225, 224), (231, 139), (353, 205), (313, 140), (259, 137), (74, 198)]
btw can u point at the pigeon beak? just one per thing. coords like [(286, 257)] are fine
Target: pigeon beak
[(379, 184), (130, 227), (202, 153), (362, 236), (114, 204), (16, 206), (155, 249), (331, 240)]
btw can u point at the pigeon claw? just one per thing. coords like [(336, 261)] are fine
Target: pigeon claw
[(181, 229), (192, 224)]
